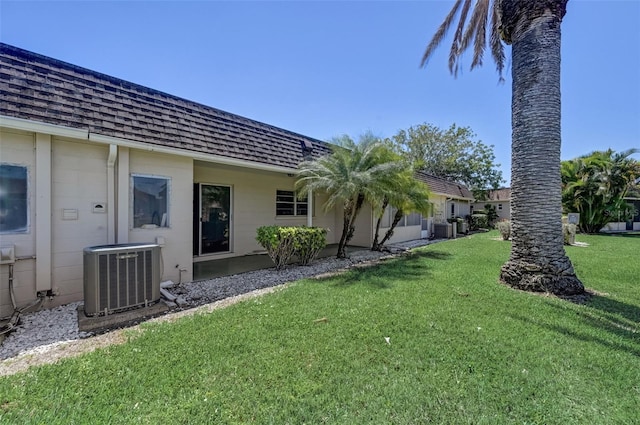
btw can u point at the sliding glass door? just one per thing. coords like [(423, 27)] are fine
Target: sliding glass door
[(214, 217)]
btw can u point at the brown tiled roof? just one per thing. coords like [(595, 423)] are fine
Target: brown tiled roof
[(445, 187), (503, 194), (39, 88)]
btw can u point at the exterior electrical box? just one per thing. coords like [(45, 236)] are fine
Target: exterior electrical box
[(120, 277), (7, 255)]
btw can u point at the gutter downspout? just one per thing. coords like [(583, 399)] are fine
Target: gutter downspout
[(111, 194)]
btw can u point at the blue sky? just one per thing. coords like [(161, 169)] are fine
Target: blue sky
[(326, 68)]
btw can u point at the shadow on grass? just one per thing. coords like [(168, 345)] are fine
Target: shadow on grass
[(629, 234), (381, 275), (617, 323)]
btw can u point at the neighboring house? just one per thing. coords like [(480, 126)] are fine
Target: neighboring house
[(448, 200), (500, 199)]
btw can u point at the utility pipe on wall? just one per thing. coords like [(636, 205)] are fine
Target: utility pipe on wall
[(43, 198), (111, 194)]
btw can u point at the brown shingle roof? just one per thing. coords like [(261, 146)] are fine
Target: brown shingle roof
[(444, 187), (39, 88), (503, 194)]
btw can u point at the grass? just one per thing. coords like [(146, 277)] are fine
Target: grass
[(462, 349)]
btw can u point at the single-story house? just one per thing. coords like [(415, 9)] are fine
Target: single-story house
[(88, 160), (498, 198)]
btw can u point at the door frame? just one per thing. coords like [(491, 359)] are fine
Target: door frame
[(197, 217)]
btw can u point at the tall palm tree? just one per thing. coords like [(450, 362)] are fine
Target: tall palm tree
[(354, 173), (538, 261)]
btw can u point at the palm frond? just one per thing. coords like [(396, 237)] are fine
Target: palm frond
[(457, 38), (481, 32), (473, 31), (495, 42), (440, 33)]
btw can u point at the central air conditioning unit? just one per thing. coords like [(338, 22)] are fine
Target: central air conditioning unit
[(120, 277), (443, 230)]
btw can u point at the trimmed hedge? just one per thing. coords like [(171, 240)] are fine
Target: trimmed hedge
[(479, 221), (282, 243)]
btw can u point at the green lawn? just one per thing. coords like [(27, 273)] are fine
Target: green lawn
[(462, 349)]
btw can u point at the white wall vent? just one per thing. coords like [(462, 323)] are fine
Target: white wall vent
[(120, 277)]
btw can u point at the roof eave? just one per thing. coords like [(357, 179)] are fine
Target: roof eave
[(84, 134)]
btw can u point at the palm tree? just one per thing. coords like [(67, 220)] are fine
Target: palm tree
[(406, 195), (354, 173), (595, 186), (538, 261)]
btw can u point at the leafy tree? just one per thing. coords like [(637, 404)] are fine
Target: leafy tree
[(352, 174), (406, 194), (538, 261), (595, 186), (451, 154)]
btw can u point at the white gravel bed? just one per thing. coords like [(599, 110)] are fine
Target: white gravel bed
[(43, 330)]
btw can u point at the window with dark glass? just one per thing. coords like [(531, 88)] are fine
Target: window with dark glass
[(14, 199), (150, 201)]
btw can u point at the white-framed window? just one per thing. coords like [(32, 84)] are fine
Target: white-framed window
[(288, 204), (14, 199), (150, 201), (499, 207)]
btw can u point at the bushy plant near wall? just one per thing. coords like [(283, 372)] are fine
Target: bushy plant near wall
[(282, 243), (278, 242), (479, 221), (308, 242), (504, 227)]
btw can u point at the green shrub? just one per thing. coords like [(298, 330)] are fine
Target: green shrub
[(479, 221), (308, 243), (282, 243), (504, 227), (279, 243)]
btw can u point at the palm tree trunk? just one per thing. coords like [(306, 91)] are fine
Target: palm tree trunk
[(396, 219), (351, 211), (346, 224), (375, 246), (538, 261)]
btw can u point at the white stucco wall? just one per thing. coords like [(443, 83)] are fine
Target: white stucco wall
[(253, 195), (79, 179), (176, 252), (503, 214), (402, 234), (18, 148)]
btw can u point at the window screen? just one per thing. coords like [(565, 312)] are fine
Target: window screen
[(14, 199)]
